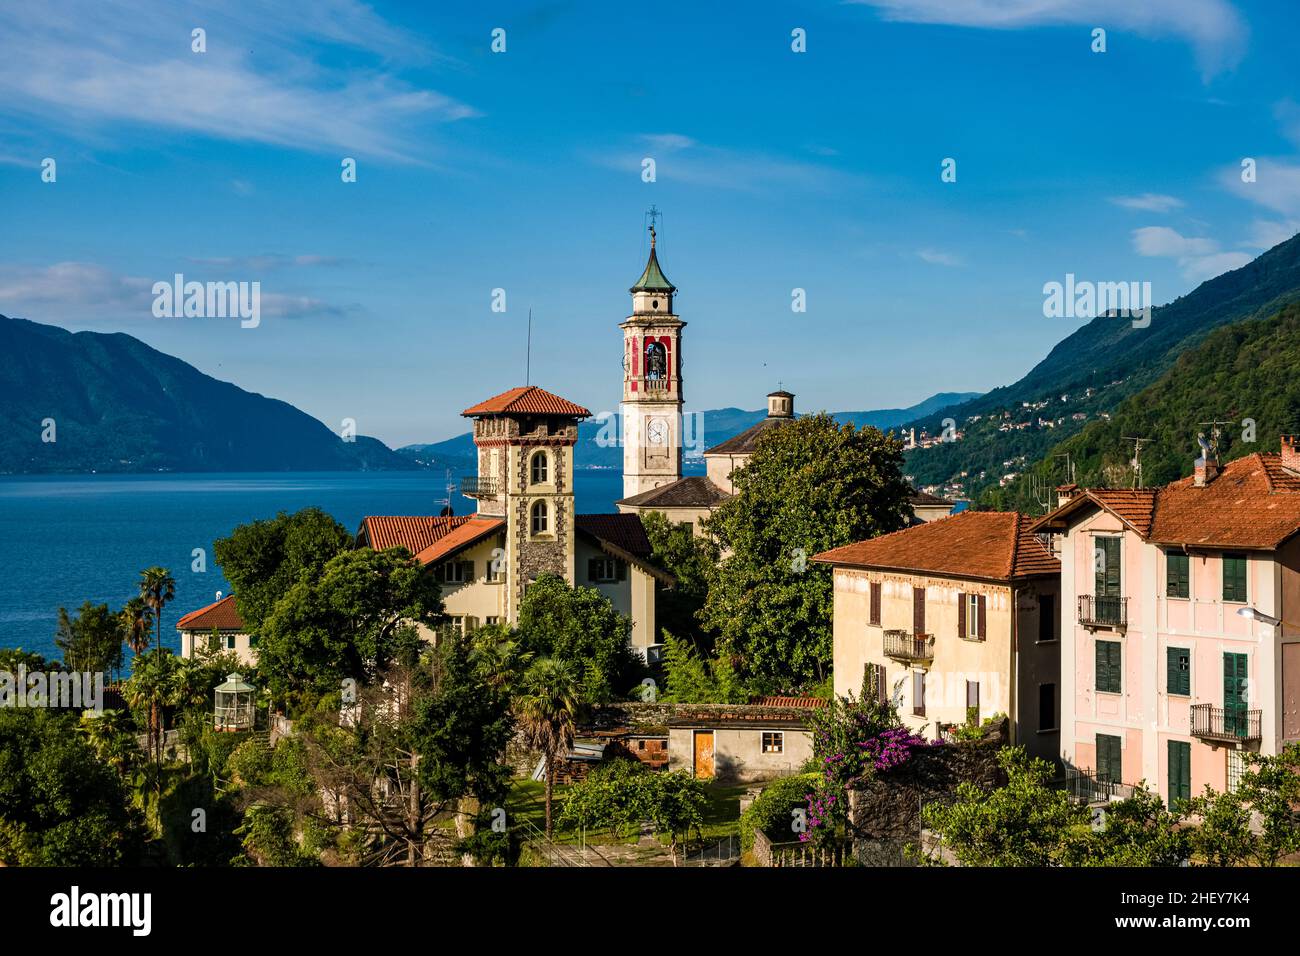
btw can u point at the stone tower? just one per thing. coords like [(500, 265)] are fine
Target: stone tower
[(525, 439), (652, 383)]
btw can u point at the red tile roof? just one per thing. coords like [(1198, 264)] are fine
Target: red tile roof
[(428, 537), (1254, 503), (223, 615), (527, 400), (812, 703), (991, 545)]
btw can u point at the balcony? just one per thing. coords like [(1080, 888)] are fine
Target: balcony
[(909, 647), (478, 487), (1229, 726), (1088, 787), (1105, 611)]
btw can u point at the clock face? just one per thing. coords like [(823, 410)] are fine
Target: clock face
[(657, 431)]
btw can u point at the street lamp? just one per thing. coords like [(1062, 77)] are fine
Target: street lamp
[(1255, 614)]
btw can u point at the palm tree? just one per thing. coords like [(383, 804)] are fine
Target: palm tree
[(136, 624), (157, 587), (546, 708)]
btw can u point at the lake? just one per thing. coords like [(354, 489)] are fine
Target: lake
[(68, 539)]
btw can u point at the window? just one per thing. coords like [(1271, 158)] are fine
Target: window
[(1180, 771), (230, 642), (972, 702), (970, 616), (541, 518), (1234, 578), (540, 468), (252, 640), (1046, 707), (1106, 561), (456, 572), (656, 361), (1110, 761), (918, 610), (1178, 671), (496, 568), (773, 741), (640, 745), (491, 619), (689, 526), (1046, 618), (882, 688), (918, 693), (604, 570), (1236, 767), (1176, 575), (873, 613), (1108, 667)]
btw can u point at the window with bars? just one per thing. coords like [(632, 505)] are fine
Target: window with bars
[(1177, 575), (1178, 671), (1236, 767), (1234, 578), (1109, 671)]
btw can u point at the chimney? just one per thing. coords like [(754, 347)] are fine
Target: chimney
[(1291, 453), (1065, 492)]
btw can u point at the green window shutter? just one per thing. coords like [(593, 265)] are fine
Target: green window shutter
[(1234, 578), (1109, 679), (1180, 770), (1107, 558), (1176, 575), (1178, 671), (1110, 758)]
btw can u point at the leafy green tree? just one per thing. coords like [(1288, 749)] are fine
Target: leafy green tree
[(1138, 831), (579, 625), (622, 794), (773, 810), (262, 560), (676, 805), (546, 710), (157, 590), (693, 561), (60, 805), (1258, 823), (91, 641), (350, 621), (689, 679), (135, 624), (1025, 823), (811, 485), (147, 691), (112, 736)]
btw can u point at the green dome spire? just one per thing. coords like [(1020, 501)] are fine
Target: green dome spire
[(653, 279)]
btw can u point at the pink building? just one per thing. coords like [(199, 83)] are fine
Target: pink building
[(1181, 623)]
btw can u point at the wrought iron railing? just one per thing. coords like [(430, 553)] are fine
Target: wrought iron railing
[(1219, 723), (1103, 610), (909, 646), (478, 487), (1090, 787)]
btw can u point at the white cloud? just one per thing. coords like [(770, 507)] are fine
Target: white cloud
[(1265, 234), (1198, 259), (1213, 27), (87, 292), (940, 258), (1276, 186), (1149, 202), (86, 67), (680, 158)]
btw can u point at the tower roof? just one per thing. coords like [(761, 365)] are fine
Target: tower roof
[(653, 278), (527, 400)]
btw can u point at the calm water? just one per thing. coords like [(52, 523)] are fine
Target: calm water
[(71, 539)]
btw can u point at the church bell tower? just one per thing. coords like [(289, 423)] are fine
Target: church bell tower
[(652, 382)]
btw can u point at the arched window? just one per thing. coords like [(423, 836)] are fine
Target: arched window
[(540, 468), (541, 518), (656, 361)]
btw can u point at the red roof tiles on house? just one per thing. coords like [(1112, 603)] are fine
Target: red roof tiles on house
[(811, 703), (428, 537), (461, 537), (990, 545), (1253, 503), (222, 615), (527, 400)]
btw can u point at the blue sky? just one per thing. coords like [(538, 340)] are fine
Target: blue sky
[(522, 170)]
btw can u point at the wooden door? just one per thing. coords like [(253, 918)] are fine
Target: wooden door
[(704, 755)]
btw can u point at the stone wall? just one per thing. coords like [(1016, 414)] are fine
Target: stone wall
[(888, 807)]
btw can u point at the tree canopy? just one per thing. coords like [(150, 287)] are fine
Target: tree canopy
[(811, 485)]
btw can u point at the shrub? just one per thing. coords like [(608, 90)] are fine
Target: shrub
[(772, 809)]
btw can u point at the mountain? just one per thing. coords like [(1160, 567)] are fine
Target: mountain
[(1092, 371), (1241, 374), (596, 451), (120, 406)]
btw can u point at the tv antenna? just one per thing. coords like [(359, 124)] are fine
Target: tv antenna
[(1215, 431), (1136, 460), (1069, 466), (1041, 494), (448, 508)]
